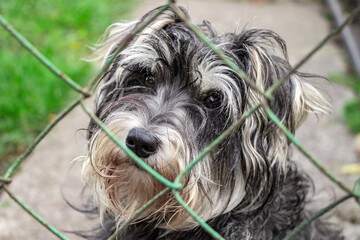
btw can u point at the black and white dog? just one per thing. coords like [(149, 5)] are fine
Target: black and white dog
[(167, 96)]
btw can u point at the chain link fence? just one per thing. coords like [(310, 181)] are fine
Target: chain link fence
[(173, 187)]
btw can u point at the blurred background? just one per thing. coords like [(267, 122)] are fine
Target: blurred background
[(64, 31)]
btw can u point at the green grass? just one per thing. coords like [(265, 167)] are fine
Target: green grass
[(351, 108), (61, 30)]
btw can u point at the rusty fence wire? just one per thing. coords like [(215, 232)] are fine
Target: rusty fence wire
[(174, 187)]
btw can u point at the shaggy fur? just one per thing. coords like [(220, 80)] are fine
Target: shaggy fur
[(167, 96)]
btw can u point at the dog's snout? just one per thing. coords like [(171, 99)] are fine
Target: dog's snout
[(141, 142)]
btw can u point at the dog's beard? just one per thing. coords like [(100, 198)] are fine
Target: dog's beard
[(121, 187)]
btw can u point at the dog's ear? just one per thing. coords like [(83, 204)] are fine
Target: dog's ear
[(118, 32), (263, 57)]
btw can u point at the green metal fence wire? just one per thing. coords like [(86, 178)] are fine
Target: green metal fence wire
[(173, 187)]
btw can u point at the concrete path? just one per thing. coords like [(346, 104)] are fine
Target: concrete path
[(50, 172)]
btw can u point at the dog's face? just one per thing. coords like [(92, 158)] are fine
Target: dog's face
[(167, 96)]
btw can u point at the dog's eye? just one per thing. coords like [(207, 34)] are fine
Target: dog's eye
[(149, 81), (139, 79), (213, 99)]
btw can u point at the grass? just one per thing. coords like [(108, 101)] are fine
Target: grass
[(61, 29), (351, 108)]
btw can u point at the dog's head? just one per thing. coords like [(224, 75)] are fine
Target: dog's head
[(167, 96)]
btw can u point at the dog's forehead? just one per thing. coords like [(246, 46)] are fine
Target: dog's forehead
[(192, 68), (180, 52)]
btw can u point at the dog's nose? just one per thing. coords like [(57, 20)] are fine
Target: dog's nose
[(141, 142)]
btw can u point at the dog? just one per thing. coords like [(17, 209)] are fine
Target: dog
[(167, 96)]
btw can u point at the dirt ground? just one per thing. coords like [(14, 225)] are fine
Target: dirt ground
[(51, 172)]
